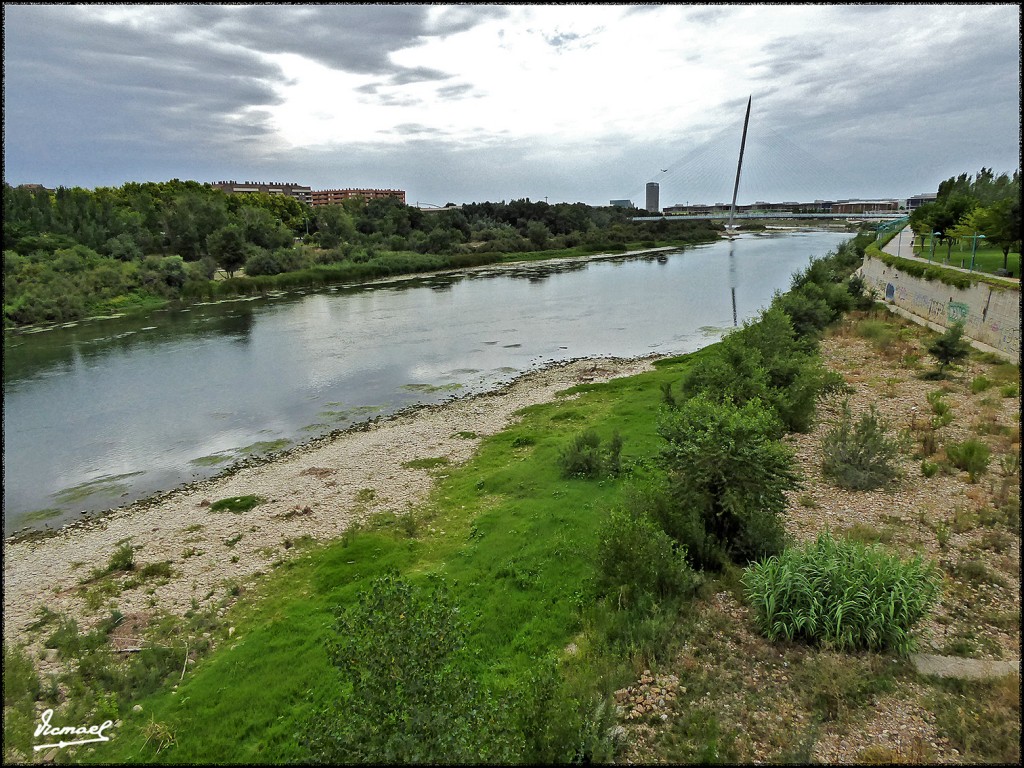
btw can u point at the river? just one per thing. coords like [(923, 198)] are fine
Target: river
[(103, 412)]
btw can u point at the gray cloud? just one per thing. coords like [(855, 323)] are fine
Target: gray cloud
[(454, 91), (186, 93)]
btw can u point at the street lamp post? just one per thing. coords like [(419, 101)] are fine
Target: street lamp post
[(974, 247)]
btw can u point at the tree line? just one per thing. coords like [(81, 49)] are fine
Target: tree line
[(966, 206), (72, 252)]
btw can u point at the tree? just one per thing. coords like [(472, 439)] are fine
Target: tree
[(334, 226), (724, 464), (949, 348), (406, 696), (538, 234), (1000, 223), (227, 247)]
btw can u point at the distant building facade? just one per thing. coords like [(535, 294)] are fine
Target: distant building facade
[(865, 206), (336, 196), (915, 202), (298, 191), (653, 204), (621, 203)]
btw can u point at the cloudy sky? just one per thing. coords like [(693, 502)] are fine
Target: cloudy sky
[(458, 103)]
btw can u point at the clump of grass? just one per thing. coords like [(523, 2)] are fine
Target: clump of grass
[(842, 595), (123, 558), (942, 410), (860, 457), (431, 462), (977, 572), (236, 504), (972, 456), (980, 718), (833, 683), (964, 519), (585, 457), (980, 384), (160, 570), (929, 468)]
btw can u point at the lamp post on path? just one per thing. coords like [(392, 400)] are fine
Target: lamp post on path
[(974, 247)]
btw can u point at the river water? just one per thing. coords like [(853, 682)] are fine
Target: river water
[(107, 411)]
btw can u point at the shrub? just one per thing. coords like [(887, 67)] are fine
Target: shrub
[(949, 348), (584, 456), (859, 457), (841, 594), (980, 384), (972, 456), (809, 309), (635, 556), (123, 559), (406, 696), (724, 464), (764, 360)]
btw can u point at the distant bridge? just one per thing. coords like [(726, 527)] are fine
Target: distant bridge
[(879, 216)]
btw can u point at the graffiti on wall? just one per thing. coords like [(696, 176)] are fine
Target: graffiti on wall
[(957, 312), (989, 322)]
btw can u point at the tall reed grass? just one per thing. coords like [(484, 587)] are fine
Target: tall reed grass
[(841, 594)]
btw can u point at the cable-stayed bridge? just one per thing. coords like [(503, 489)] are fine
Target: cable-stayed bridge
[(774, 168)]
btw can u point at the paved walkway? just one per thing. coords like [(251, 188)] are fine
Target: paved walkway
[(966, 669), (902, 246)]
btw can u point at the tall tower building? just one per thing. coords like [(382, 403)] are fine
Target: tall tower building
[(652, 197)]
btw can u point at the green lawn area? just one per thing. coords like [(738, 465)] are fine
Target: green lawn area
[(986, 258)]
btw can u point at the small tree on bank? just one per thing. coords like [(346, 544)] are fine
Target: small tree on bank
[(949, 348)]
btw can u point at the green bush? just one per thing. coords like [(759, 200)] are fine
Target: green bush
[(584, 457), (406, 696), (859, 457), (764, 360), (972, 456), (725, 465), (635, 557), (842, 595)]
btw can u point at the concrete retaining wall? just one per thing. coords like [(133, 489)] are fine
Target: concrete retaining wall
[(990, 315)]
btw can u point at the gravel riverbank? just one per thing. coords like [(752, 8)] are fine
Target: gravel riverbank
[(317, 490)]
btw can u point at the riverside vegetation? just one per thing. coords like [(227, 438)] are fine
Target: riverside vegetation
[(73, 253), (655, 522)]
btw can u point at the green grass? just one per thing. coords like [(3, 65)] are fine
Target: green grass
[(515, 541), (236, 504), (986, 258)]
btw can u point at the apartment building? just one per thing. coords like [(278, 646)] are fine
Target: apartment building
[(298, 191), (335, 196)]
